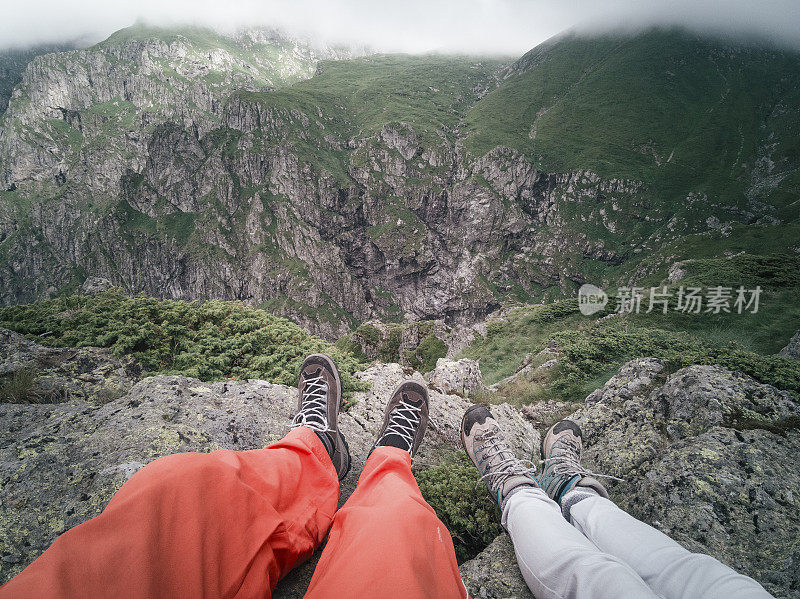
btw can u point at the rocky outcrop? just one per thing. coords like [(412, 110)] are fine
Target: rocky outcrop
[(53, 375), (706, 455), (792, 349), (60, 463), (461, 377)]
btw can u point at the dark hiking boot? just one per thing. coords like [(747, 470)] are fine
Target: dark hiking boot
[(319, 397), (499, 467), (561, 456), (406, 418)]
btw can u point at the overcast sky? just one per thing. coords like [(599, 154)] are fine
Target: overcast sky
[(475, 26)]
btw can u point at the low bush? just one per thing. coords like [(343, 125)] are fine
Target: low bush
[(209, 340), (470, 514), (425, 355)]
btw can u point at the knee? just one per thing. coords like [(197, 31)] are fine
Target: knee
[(181, 473)]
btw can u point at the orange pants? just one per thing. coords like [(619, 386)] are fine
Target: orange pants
[(232, 523)]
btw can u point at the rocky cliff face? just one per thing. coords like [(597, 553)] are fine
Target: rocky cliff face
[(129, 160), (706, 454), (181, 165)]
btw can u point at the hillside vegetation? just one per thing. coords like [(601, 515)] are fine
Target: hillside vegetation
[(210, 340), (592, 348)]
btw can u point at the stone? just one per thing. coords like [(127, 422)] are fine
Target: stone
[(494, 574), (462, 377), (61, 463), (707, 457), (95, 285), (60, 374), (792, 349)]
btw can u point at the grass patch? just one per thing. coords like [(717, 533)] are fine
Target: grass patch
[(22, 386)]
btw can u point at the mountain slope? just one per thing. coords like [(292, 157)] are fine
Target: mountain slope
[(390, 186)]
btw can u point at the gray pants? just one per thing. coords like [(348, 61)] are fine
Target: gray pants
[(607, 553)]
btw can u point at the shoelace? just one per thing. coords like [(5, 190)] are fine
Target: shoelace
[(314, 411), (404, 421), (567, 461), (507, 466)]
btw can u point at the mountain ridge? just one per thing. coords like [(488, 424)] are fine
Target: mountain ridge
[(398, 187)]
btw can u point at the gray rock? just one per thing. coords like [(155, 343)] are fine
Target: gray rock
[(61, 463), (792, 349), (59, 374), (462, 377), (632, 378), (707, 458), (95, 285), (494, 574)]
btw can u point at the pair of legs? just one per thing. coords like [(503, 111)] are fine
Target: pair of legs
[(571, 541), (233, 523)]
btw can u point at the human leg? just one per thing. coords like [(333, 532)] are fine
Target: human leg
[(224, 524), (556, 561), (669, 569), (386, 541)]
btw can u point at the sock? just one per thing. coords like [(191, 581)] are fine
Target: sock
[(326, 441), (393, 440), (574, 496)]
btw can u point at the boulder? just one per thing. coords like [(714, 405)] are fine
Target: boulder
[(494, 573), (61, 463), (55, 374), (707, 457), (462, 377)]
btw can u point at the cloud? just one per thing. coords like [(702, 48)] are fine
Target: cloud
[(475, 26)]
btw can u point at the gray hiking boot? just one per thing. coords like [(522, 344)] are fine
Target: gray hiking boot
[(561, 456), (319, 396), (406, 418), (493, 457)]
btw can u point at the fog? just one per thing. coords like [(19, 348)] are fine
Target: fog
[(509, 27)]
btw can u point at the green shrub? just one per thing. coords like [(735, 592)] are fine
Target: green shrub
[(424, 357), (390, 350), (209, 340), (470, 514), (369, 334)]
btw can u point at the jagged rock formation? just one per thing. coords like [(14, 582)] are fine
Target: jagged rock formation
[(384, 187)]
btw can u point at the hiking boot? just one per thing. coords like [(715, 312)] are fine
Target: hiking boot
[(561, 456), (406, 418), (499, 467), (319, 396)]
